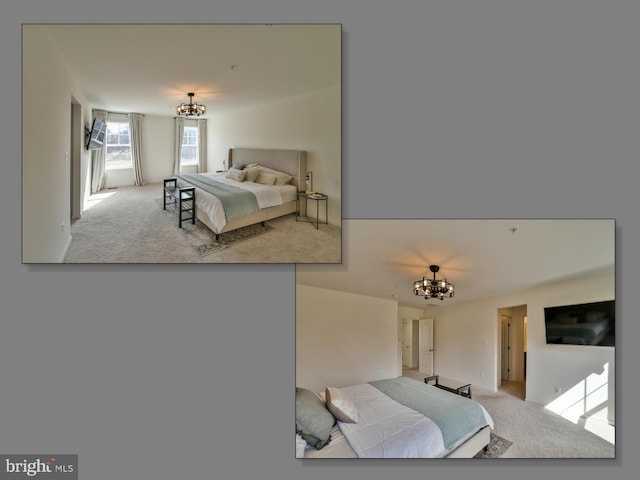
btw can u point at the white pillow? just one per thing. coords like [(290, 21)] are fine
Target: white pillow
[(341, 405), (237, 175), (282, 178), (252, 172), (266, 179)]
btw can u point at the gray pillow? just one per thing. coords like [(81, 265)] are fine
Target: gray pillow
[(239, 166), (313, 420)]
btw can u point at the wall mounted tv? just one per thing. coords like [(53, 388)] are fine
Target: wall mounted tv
[(95, 136), (582, 324)]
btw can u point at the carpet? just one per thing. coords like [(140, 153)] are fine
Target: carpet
[(225, 239), (203, 240), (497, 446)]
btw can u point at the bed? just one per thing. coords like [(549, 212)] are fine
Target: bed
[(390, 418), (222, 212)]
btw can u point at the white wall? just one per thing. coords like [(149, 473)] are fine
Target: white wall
[(344, 339), (48, 91), (467, 340), (310, 122), (158, 148)]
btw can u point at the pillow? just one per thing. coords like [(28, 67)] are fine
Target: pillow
[(342, 407), (239, 166), (565, 319), (237, 175), (252, 172), (282, 178), (595, 316), (322, 396), (266, 179), (313, 421), (568, 321)]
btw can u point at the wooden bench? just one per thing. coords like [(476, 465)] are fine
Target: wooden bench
[(464, 390), (184, 198)]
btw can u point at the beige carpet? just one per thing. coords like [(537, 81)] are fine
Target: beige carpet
[(126, 225), (534, 431)]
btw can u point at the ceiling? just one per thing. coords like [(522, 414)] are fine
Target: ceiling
[(150, 68), (482, 258)]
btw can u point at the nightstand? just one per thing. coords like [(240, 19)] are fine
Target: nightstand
[(317, 197)]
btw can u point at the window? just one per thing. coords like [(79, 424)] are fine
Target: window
[(189, 154), (118, 154)]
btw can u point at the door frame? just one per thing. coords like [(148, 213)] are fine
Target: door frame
[(518, 315)]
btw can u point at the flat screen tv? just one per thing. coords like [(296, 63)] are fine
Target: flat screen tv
[(95, 136), (581, 324)]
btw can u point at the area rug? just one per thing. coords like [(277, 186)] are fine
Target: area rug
[(226, 239), (203, 240), (497, 446)]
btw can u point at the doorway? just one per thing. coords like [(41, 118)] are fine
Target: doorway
[(425, 346), (512, 350), (74, 159), (417, 347), (410, 328)]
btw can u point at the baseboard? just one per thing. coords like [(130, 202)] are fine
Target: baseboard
[(64, 250)]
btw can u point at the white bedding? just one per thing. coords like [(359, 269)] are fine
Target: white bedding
[(388, 429), (266, 195), (338, 447)]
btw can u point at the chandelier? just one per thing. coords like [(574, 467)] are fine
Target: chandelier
[(432, 288), (190, 109)]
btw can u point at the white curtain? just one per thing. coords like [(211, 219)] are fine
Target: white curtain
[(98, 158), (135, 130), (178, 149), (202, 145)]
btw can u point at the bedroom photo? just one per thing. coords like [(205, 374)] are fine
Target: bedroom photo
[(181, 143), (485, 339)]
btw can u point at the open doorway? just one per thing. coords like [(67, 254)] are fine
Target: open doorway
[(512, 353), (417, 347), (74, 159)]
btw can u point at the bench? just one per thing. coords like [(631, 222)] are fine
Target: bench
[(464, 390), (184, 198)]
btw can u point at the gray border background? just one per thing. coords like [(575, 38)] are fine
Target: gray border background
[(485, 109)]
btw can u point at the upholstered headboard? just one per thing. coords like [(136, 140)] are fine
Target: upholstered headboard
[(293, 162)]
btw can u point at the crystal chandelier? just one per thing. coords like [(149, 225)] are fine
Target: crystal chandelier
[(191, 109), (432, 288)]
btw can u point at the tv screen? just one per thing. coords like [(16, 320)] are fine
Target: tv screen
[(95, 137), (582, 324)]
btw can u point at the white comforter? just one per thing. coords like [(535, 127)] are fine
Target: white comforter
[(267, 196), (388, 429)]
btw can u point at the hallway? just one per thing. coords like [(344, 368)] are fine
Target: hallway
[(516, 389)]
